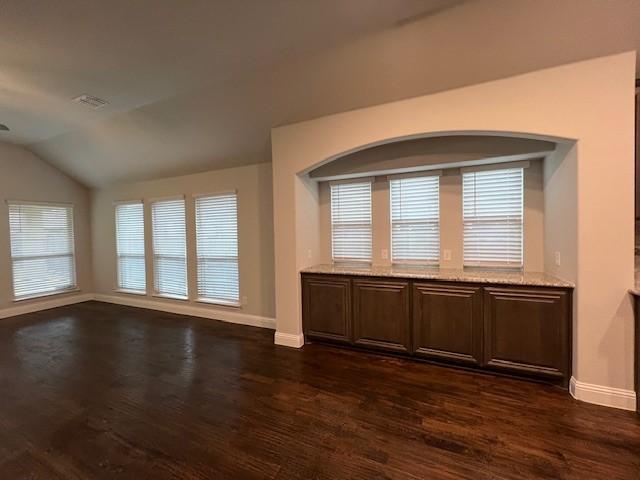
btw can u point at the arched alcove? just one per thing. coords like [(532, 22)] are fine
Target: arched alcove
[(582, 108), (447, 155), (432, 151), (473, 143)]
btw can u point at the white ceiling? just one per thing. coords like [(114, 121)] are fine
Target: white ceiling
[(196, 85)]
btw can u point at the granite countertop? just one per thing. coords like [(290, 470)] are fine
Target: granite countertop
[(536, 279)]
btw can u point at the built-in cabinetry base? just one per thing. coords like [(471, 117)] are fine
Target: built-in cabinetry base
[(519, 330), (636, 299)]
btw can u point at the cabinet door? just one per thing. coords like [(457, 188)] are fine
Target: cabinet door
[(447, 322), (326, 308), (527, 331), (381, 314)]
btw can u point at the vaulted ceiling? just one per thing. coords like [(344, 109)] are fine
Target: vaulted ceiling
[(196, 85)]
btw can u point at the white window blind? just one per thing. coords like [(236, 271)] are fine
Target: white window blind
[(493, 217), (415, 219), (130, 247), (217, 247), (169, 248), (351, 230), (42, 249)]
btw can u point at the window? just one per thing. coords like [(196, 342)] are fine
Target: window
[(351, 222), (217, 247), (415, 219), (130, 247), (169, 248), (42, 249), (493, 217)]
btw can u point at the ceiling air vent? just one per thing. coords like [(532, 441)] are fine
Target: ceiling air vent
[(90, 101)]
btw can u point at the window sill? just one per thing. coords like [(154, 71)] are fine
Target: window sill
[(352, 263), (171, 297), (409, 264), (492, 268), (220, 303), (46, 294), (130, 292)]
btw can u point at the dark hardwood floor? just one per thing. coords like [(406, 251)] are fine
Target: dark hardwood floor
[(108, 392)]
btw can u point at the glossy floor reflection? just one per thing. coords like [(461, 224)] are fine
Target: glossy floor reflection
[(109, 392)]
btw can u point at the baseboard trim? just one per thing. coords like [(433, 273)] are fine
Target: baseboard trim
[(211, 313), (601, 395), (38, 305), (289, 340)]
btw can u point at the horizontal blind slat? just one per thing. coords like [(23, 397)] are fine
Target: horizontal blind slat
[(169, 247), (351, 230), (493, 217), (42, 248), (130, 247), (415, 219), (217, 248)]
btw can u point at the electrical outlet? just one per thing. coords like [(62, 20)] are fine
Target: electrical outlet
[(447, 254), (309, 254), (384, 253), (245, 300), (557, 258)]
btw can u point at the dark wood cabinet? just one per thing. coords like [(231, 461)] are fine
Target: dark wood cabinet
[(637, 355), (326, 308), (381, 315), (447, 322), (527, 331), (517, 330)]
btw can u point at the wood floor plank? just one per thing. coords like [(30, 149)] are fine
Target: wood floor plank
[(100, 391)]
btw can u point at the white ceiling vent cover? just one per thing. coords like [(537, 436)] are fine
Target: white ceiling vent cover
[(90, 101)]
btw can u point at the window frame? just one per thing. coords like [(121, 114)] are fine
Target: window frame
[(199, 298), (501, 265), (348, 260), (406, 261), (119, 288), (72, 255), (155, 291)]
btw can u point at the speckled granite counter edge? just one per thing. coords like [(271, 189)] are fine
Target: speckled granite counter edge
[(533, 279)]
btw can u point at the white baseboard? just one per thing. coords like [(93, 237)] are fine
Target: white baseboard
[(209, 312), (600, 395), (289, 340), (44, 304)]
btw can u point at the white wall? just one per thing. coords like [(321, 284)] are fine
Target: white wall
[(451, 226), (590, 102), (255, 233), (560, 220), (23, 176)]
